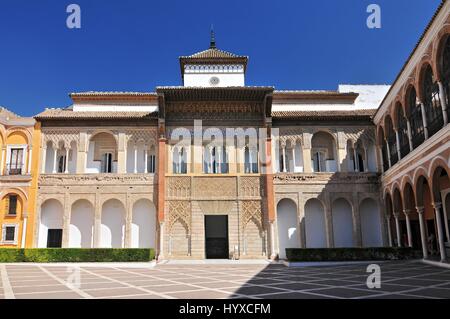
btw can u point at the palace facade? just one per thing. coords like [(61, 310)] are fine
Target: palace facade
[(215, 168)]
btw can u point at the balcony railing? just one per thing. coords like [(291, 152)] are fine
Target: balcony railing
[(14, 169)]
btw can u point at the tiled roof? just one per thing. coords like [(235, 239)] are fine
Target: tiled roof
[(69, 114), (213, 53), (113, 93), (4, 112), (323, 114)]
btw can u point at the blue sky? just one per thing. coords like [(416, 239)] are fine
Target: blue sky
[(134, 45)]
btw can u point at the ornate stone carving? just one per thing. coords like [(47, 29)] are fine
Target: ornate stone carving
[(215, 207), (66, 136), (251, 210), (326, 177), (179, 211), (216, 187), (250, 187), (94, 179), (179, 187)]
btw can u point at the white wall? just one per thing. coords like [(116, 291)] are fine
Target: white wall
[(81, 225), (370, 224), (143, 227), (287, 224), (49, 160), (51, 218), (113, 225), (315, 224), (342, 223)]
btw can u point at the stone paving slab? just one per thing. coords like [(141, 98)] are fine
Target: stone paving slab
[(402, 279)]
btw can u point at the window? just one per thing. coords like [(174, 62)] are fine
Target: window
[(62, 164), (319, 161), (151, 164), (9, 233), (106, 163), (432, 103), (15, 161), (12, 205), (416, 121)]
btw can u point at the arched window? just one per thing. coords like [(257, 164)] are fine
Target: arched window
[(415, 119), (384, 152), (179, 160), (402, 131), (62, 164), (392, 140), (432, 103)]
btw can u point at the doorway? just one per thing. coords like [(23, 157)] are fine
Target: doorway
[(54, 238), (216, 237)]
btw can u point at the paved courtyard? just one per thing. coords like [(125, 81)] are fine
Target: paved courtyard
[(399, 280)]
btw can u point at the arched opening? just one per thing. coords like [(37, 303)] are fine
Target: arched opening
[(251, 160), (402, 239), (424, 199), (102, 154), (383, 145), (315, 224), (253, 239), (113, 224), (402, 130), (12, 204), (441, 186), (391, 140), (180, 158), (370, 223), (49, 158), (81, 231), (287, 224), (415, 117), (432, 102), (51, 224), (342, 223), (323, 152), (410, 209), (179, 239), (143, 225), (444, 63)]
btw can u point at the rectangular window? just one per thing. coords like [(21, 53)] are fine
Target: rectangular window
[(106, 163), (12, 207), (9, 234), (15, 161)]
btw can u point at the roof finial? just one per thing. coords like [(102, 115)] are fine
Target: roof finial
[(212, 44)]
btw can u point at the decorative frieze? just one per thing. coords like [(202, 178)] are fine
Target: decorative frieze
[(95, 179), (178, 187), (326, 177), (215, 187)]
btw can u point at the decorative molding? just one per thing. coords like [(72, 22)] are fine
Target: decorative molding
[(95, 179)]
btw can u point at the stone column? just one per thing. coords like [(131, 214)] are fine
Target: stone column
[(437, 210), (410, 141), (122, 154), (355, 159), (389, 230), (397, 229), (161, 177), (388, 154), (408, 226), (357, 234), (379, 159), (447, 230), (82, 149), (424, 120), (55, 160), (306, 151), (97, 221), (66, 170), (128, 221), (442, 95), (397, 139), (423, 233), (302, 227), (329, 226), (30, 156), (273, 254), (161, 241), (135, 158), (284, 159), (66, 222), (293, 159), (146, 160), (366, 160)]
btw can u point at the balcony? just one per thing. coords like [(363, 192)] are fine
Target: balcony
[(14, 169), (324, 178)]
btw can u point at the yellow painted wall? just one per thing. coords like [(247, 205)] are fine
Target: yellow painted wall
[(26, 195)]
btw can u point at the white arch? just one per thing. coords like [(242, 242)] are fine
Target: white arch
[(287, 224), (315, 224), (113, 224), (81, 225), (51, 218), (143, 226), (342, 223), (370, 223)]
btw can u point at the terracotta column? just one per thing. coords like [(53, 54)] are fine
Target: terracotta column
[(423, 233), (161, 173), (270, 193)]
